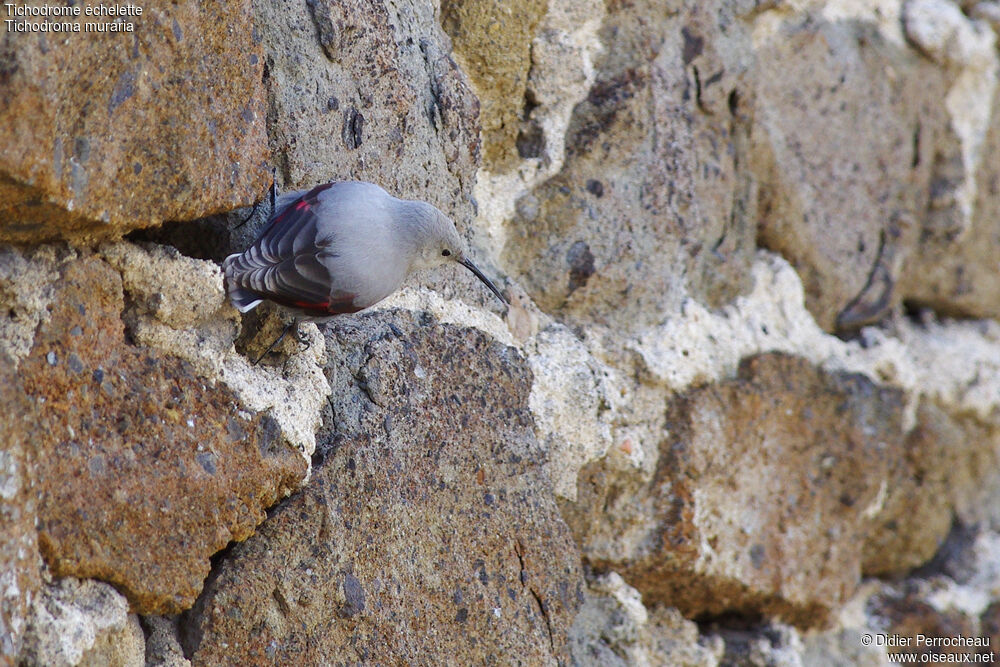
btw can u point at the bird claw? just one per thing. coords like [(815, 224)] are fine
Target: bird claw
[(303, 339)]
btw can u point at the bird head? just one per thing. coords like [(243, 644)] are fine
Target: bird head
[(438, 243)]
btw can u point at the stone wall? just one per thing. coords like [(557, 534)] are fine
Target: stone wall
[(744, 407)]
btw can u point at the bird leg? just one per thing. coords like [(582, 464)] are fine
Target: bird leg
[(278, 340), (302, 337)]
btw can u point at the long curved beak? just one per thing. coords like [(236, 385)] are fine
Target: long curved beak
[(486, 281)]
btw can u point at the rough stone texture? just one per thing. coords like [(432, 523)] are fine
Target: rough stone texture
[(650, 180), (745, 487), (170, 295), (431, 511), (82, 623), (954, 272), (762, 496), (948, 469), (945, 601), (561, 71), (103, 136), (614, 628), (770, 644), (356, 86), (176, 305), (876, 212), (124, 647), (493, 41), (954, 596), (25, 293), (163, 647), (870, 161), (144, 470), (19, 557), (568, 397)]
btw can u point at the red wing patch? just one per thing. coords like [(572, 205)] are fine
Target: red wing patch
[(302, 205), (287, 270), (342, 306)]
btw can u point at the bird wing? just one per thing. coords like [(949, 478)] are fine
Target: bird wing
[(288, 262)]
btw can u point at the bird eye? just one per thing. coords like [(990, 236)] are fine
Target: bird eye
[(446, 253)]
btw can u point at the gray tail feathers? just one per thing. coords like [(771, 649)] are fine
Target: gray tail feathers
[(243, 299)]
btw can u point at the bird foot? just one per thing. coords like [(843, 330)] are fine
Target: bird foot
[(303, 338)]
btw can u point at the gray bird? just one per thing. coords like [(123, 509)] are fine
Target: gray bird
[(339, 248)]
